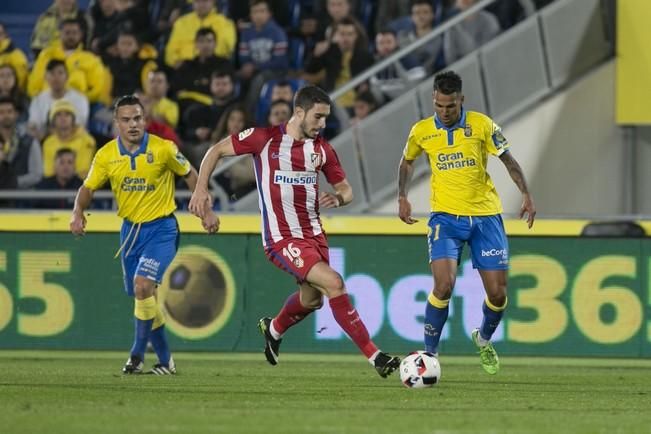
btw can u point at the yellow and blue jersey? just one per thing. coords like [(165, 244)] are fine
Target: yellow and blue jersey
[(458, 156), (143, 181)]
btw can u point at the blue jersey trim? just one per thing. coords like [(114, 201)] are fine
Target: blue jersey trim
[(141, 149), (461, 123)]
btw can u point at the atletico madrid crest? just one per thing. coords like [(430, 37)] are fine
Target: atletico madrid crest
[(316, 160)]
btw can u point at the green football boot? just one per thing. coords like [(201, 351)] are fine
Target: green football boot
[(487, 355)]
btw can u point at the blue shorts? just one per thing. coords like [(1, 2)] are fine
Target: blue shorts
[(147, 251), (489, 248)]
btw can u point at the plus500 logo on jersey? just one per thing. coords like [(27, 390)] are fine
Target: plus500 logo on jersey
[(493, 252), (288, 177)]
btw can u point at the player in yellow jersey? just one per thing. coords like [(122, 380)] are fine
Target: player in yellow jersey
[(465, 208), (141, 169)]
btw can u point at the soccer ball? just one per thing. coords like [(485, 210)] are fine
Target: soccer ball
[(420, 369), (194, 290)]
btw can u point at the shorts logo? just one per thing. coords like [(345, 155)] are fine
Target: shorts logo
[(494, 252), (294, 254), (149, 265), (244, 134)]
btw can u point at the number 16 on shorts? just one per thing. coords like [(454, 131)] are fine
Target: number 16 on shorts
[(294, 255)]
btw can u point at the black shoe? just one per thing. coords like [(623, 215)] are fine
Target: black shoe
[(133, 366), (272, 346), (386, 364), (160, 369)]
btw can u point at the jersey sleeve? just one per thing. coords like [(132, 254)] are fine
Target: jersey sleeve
[(176, 162), (495, 142), (412, 149), (97, 174), (250, 141), (331, 168)]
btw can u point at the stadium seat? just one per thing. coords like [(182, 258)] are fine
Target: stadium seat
[(265, 98), (222, 7), (294, 7), (365, 13), (30, 7), (296, 53), (19, 27), (401, 24)]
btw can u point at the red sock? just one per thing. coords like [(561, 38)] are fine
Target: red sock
[(291, 313), (348, 319)]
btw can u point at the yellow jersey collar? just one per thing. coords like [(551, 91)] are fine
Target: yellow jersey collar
[(141, 149), (461, 123)]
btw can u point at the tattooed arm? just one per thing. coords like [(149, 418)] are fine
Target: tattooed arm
[(515, 171)]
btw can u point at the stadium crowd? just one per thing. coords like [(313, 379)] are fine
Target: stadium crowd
[(207, 68)]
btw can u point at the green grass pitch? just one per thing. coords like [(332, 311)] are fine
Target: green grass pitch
[(84, 392)]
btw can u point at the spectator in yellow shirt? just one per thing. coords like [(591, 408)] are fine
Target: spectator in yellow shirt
[(181, 45), (157, 104), (67, 134), (87, 73), (46, 29), (11, 55)]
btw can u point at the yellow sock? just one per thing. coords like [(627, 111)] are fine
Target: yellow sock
[(146, 309), (437, 302), (494, 308), (159, 319)]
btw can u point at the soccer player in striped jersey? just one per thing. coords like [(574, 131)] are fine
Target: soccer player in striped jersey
[(465, 208), (287, 162)]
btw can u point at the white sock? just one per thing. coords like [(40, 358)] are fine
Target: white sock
[(273, 331), (481, 341), (371, 359)]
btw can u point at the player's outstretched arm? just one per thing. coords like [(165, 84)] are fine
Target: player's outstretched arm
[(405, 172), (515, 171), (82, 202), (201, 202), (343, 195), (209, 221)]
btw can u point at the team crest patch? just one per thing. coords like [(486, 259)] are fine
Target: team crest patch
[(316, 160), (180, 158), (150, 157), (244, 134), (499, 139), (467, 131), (298, 262)]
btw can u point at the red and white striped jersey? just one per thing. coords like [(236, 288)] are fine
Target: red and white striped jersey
[(287, 174)]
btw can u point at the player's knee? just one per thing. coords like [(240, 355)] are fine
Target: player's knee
[(335, 285), (443, 289), (143, 288), (498, 299)]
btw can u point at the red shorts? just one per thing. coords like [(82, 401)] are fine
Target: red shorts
[(297, 256)]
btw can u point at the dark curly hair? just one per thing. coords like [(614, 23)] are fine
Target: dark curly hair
[(447, 83)]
